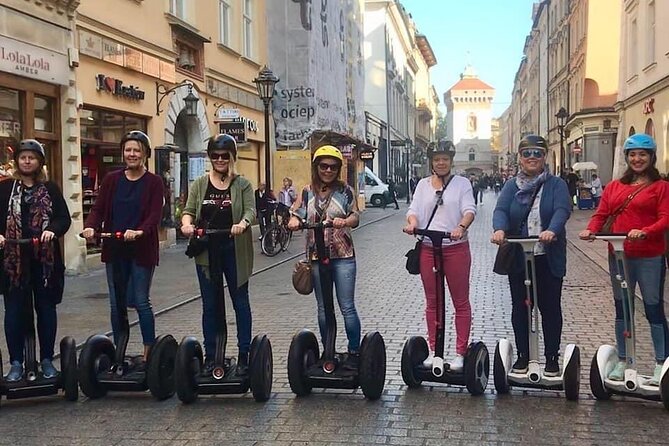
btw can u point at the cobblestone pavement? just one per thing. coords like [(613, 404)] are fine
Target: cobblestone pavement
[(391, 301)]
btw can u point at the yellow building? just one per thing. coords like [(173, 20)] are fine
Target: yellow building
[(138, 62)]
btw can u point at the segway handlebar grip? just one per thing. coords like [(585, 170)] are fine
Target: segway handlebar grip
[(201, 232), (513, 238), (23, 241), (430, 233)]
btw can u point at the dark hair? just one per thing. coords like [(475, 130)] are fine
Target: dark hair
[(316, 183), (651, 172)]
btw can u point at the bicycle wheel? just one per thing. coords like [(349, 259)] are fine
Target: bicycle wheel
[(286, 237), (270, 243)]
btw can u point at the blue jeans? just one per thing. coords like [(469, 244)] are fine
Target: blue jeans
[(343, 273), (210, 301), (45, 307), (137, 296), (649, 273)]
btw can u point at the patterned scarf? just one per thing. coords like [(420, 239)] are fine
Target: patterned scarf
[(527, 185), (40, 211)]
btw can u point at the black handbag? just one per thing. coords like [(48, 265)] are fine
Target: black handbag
[(196, 246)]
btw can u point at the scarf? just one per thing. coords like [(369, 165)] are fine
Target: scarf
[(527, 185), (41, 206)]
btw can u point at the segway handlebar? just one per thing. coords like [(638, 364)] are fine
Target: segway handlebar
[(201, 232), (609, 236), (430, 233), (23, 241), (118, 235), (520, 238), (317, 225)]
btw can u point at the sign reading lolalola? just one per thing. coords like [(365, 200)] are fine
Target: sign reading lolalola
[(116, 87), (30, 61)]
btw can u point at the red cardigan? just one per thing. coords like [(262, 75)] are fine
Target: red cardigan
[(146, 253), (647, 211)]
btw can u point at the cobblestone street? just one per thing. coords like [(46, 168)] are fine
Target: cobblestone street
[(388, 300)]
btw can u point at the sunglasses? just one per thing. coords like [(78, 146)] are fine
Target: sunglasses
[(532, 153), (220, 156), (327, 166)]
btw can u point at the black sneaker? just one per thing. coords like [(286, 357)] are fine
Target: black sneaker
[(207, 368), (352, 361), (242, 364), (520, 366), (552, 366)]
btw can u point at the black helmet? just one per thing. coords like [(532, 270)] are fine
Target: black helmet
[(223, 141), (532, 142), (139, 136), (31, 145), (444, 146)]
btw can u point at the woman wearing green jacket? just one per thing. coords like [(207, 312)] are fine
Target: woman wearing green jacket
[(221, 199)]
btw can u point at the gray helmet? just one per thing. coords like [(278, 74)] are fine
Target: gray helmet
[(223, 141), (30, 145), (139, 136), (444, 146)]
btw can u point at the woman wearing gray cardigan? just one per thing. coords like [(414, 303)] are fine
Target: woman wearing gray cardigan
[(221, 199)]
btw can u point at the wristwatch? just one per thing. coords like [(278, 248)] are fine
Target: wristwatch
[(463, 227)]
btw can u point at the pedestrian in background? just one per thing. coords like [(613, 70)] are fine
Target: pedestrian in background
[(455, 211), (645, 219), (287, 196), (222, 199), (130, 201), (263, 197), (535, 203), (572, 185), (330, 199), (596, 186), (31, 206), (392, 192)]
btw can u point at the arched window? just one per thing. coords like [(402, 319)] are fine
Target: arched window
[(632, 131), (650, 128)]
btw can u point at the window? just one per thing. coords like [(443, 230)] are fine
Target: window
[(178, 8), (650, 50), (248, 29), (632, 49), (472, 154), (224, 13), (632, 131), (650, 128)]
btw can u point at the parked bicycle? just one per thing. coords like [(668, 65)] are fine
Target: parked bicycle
[(276, 237)]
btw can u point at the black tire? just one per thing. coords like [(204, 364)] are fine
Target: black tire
[(96, 356), (415, 351), (572, 376), (271, 241), (372, 373), (187, 367), (664, 390), (261, 366), (68, 368), (596, 385), (377, 201), (477, 368), (499, 373), (286, 238), (160, 370), (302, 354)]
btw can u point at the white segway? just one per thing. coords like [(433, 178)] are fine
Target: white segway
[(503, 375), (604, 361)]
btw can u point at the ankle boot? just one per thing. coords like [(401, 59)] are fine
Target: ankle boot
[(242, 363)]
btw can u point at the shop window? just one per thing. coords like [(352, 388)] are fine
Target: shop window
[(112, 126), (44, 107), (90, 124), (10, 127), (650, 128)]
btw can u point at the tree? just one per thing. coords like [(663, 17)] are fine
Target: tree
[(441, 127)]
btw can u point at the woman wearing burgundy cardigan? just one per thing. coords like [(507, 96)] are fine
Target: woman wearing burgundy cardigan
[(130, 201)]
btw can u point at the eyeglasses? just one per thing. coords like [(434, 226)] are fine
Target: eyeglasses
[(220, 156), (327, 166), (532, 153)]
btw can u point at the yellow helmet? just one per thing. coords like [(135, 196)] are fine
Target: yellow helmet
[(328, 151)]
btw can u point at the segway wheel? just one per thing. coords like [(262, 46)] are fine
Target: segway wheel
[(477, 368), (68, 368), (160, 370), (415, 351), (187, 366), (261, 368), (372, 373), (597, 387), (502, 385), (303, 353), (96, 356), (572, 376)]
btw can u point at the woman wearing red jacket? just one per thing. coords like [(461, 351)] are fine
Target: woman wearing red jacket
[(645, 220)]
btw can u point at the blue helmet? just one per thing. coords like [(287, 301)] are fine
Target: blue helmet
[(640, 141)]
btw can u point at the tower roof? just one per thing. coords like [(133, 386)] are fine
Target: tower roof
[(469, 80)]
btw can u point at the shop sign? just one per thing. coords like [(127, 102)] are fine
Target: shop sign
[(30, 61), (116, 87), (227, 113), (112, 52), (366, 155), (236, 129), (9, 128), (90, 44), (133, 59), (649, 106), (251, 125), (576, 150)]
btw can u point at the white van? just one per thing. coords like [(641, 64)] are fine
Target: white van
[(376, 191)]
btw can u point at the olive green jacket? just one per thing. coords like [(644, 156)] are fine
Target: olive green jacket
[(243, 208)]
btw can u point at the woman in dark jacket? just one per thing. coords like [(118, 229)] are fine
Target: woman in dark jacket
[(31, 206), (130, 201)]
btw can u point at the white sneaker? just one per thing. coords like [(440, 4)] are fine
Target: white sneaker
[(457, 363), (428, 361)]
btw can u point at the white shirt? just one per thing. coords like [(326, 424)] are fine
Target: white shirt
[(458, 199), (534, 223)]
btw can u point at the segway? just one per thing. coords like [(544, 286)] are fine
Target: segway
[(474, 374), (191, 379), (570, 378), (105, 367), (306, 369), (634, 384), (33, 383)]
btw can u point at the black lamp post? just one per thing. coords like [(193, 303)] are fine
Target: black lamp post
[(191, 100), (561, 116), (265, 83)]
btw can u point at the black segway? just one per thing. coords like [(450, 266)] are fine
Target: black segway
[(474, 374), (633, 384), (33, 383), (104, 367), (306, 369), (504, 376), (191, 379)]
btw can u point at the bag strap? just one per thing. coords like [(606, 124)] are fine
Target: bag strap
[(523, 222), (439, 201), (629, 198)]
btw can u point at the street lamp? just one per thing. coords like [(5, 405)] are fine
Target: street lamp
[(561, 116), (191, 100), (265, 83)]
